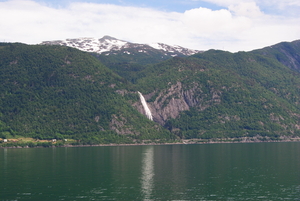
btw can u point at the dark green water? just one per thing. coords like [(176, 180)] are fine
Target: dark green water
[(263, 171)]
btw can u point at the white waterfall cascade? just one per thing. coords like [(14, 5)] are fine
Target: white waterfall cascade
[(146, 108)]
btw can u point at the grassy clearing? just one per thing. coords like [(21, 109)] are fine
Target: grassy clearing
[(31, 142)]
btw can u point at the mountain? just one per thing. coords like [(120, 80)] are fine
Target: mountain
[(108, 45), (57, 91), (287, 53), (60, 92), (222, 94), (125, 58)]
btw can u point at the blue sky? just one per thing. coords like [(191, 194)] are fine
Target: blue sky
[(165, 5), (233, 25)]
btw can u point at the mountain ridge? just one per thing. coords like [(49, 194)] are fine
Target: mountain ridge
[(50, 91), (108, 44), (287, 53)]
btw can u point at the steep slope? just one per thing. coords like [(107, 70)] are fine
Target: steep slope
[(288, 53), (56, 91), (220, 94)]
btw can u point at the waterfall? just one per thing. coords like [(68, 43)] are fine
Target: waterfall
[(146, 108)]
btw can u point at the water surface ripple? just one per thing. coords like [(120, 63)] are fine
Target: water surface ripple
[(262, 171)]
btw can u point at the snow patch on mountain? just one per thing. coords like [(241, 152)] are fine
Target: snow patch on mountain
[(108, 44), (174, 49), (101, 45)]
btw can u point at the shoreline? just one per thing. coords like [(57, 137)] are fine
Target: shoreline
[(257, 139)]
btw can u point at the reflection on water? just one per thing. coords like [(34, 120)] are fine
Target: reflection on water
[(147, 172), (4, 158), (263, 171)]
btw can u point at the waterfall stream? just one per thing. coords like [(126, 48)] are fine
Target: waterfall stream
[(146, 108)]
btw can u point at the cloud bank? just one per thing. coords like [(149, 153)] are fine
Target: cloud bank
[(240, 26)]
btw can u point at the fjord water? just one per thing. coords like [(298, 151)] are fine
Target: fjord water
[(262, 171)]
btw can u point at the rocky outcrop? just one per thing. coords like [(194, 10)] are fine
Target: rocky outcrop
[(170, 102), (119, 125)]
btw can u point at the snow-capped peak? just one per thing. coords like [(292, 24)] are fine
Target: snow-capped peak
[(108, 44), (101, 45)]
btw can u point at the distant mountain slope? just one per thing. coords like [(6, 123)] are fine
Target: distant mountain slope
[(125, 58), (108, 45), (288, 53), (55, 91)]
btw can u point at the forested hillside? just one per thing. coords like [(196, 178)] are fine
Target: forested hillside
[(221, 94), (287, 53), (128, 65), (60, 92)]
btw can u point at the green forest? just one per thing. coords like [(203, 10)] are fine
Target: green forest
[(57, 92)]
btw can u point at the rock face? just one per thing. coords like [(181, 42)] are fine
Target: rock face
[(117, 124), (170, 102)]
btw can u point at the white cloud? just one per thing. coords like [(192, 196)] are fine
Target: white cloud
[(249, 9), (278, 6), (226, 3), (205, 22), (243, 26)]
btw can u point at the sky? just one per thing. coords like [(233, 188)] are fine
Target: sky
[(230, 25)]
